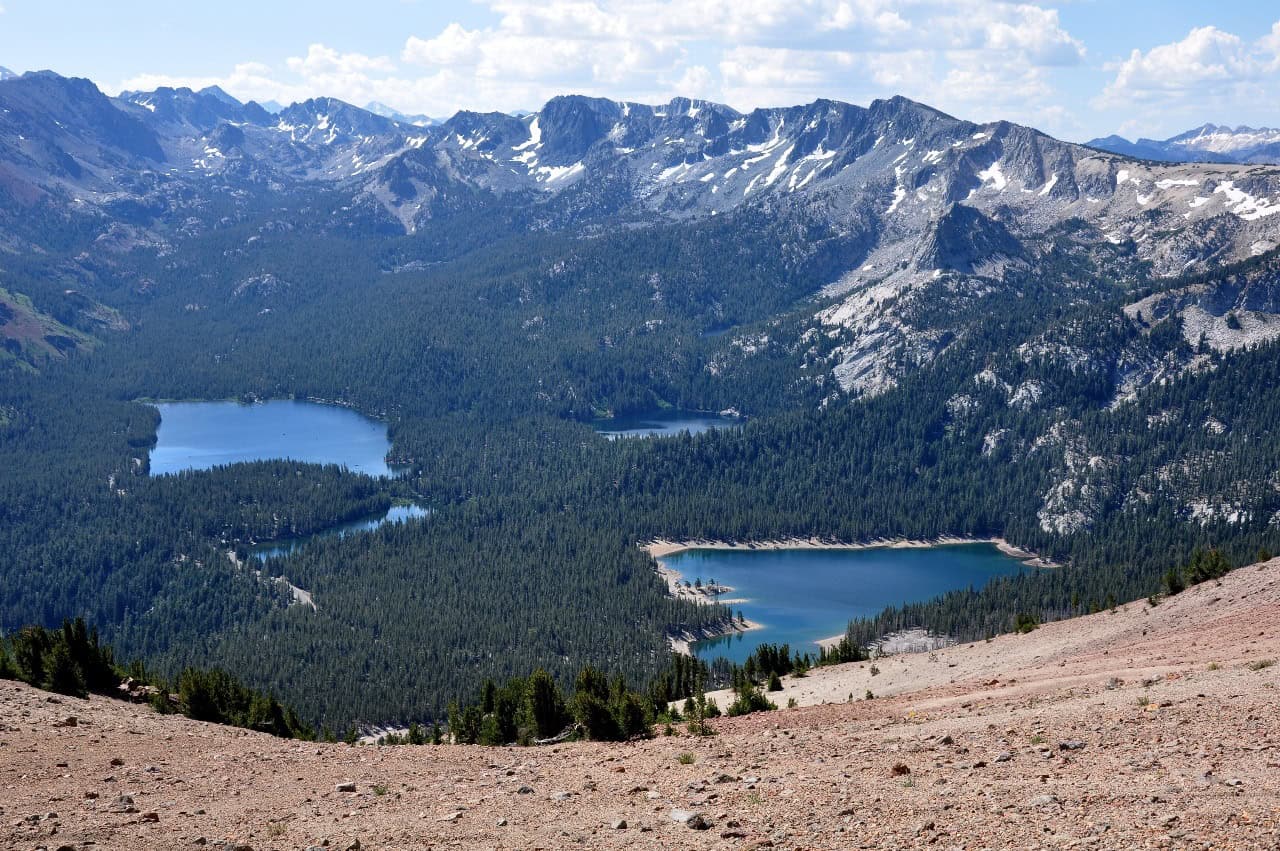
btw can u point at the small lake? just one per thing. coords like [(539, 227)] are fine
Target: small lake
[(202, 435), (663, 423), (396, 514), (801, 596)]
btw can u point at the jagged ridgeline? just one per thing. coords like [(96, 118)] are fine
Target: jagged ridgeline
[(932, 327)]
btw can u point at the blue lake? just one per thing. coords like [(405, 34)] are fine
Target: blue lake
[(801, 596), (201, 435), (396, 514), (663, 423)]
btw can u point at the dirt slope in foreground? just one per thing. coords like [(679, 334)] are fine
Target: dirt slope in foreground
[(1146, 727)]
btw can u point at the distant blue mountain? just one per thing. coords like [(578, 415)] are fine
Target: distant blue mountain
[(1207, 143)]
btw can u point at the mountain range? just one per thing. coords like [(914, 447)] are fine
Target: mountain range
[(1207, 143), (922, 206)]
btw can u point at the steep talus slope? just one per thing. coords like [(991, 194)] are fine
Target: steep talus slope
[(1134, 728), (59, 136), (1229, 310)]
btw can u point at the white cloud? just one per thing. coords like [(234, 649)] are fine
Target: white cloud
[(452, 46), (869, 13), (248, 80), (321, 60), (1211, 74), (1034, 33), (697, 82), (1208, 61)]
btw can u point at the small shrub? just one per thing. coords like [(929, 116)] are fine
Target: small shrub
[(749, 700), (900, 770), (791, 703), (875, 671), (685, 759), (1213, 666), (1260, 664), (869, 695), (379, 790)]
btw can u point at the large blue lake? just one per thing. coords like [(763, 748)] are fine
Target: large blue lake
[(201, 435), (663, 423), (801, 596)]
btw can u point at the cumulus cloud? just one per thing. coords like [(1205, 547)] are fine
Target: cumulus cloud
[(247, 80), (321, 60), (1034, 33), (455, 45), (1209, 72), (1207, 60), (960, 55)]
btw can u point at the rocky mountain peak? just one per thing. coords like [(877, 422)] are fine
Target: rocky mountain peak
[(217, 92), (571, 124), (200, 111), (69, 115)]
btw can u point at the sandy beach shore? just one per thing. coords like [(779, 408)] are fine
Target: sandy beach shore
[(661, 548)]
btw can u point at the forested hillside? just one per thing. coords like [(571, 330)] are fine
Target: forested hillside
[(1009, 366)]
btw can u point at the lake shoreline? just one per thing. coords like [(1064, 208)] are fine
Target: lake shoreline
[(907, 641), (682, 642), (660, 547), (202, 435)]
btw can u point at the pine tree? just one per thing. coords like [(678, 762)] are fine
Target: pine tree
[(62, 674), (545, 705)]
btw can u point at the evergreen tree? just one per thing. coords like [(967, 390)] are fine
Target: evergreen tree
[(545, 705)]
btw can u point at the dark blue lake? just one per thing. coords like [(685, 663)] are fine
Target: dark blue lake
[(396, 514), (201, 435), (663, 423), (801, 596)]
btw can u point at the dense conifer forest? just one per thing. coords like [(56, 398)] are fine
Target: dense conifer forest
[(486, 345)]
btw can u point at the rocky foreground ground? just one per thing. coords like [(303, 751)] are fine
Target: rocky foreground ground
[(1139, 728)]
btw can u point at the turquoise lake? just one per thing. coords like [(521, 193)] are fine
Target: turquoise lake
[(201, 435), (663, 423), (801, 596)]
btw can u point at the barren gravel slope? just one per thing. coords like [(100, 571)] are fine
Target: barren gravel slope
[(1146, 727)]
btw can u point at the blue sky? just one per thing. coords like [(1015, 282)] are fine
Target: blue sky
[(1076, 69)]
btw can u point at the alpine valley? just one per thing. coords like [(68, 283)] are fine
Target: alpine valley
[(927, 328)]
